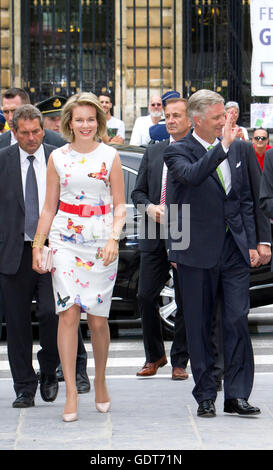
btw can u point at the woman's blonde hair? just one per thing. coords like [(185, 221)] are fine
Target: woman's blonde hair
[(82, 99)]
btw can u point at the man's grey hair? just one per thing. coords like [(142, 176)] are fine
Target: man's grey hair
[(199, 102), (232, 104), (27, 111)]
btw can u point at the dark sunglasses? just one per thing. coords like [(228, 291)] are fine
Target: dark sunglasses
[(156, 104), (260, 138)]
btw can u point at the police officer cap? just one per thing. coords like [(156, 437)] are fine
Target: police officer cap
[(168, 95), (158, 132), (52, 106)]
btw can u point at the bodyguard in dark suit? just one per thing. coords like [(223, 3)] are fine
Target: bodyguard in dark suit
[(266, 189), (262, 223), (19, 283), (149, 192), (210, 177)]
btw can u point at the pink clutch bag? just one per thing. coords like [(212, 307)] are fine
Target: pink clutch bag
[(47, 258)]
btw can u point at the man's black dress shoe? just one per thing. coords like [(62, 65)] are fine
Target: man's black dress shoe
[(240, 406), (48, 387), (23, 400), (82, 381), (206, 409)]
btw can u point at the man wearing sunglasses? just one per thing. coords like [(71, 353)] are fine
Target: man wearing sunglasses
[(260, 142), (140, 133)]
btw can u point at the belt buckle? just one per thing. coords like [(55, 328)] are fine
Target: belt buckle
[(85, 210)]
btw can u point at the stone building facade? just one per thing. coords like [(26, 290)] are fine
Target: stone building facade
[(152, 46), (130, 42)]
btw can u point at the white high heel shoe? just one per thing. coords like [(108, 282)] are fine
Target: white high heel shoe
[(103, 407), (69, 417)]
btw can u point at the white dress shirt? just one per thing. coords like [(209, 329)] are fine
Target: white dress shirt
[(13, 139), (39, 166), (140, 133), (165, 170)]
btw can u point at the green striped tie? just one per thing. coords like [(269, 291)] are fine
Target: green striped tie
[(220, 176), (219, 172)]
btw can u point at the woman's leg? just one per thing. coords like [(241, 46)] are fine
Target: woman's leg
[(100, 339), (67, 346)]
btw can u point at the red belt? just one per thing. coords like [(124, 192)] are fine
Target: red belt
[(84, 210)]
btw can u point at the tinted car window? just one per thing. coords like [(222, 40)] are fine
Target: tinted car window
[(129, 182)]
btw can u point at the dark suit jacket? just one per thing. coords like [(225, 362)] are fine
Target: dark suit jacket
[(148, 191), (196, 183), (263, 226), (51, 138), (12, 208), (266, 189)]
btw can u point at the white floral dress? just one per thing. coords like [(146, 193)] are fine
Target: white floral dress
[(78, 274)]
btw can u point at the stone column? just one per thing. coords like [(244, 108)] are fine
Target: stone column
[(5, 51), (135, 55)]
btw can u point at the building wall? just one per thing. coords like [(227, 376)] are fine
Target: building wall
[(10, 35), (134, 70), (133, 74), (5, 43)]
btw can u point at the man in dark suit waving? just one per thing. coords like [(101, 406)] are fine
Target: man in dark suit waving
[(149, 192), (22, 192), (210, 177)]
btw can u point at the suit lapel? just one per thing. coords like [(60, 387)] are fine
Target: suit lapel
[(197, 149), (16, 175), (157, 168), (47, 152), (232, 160)]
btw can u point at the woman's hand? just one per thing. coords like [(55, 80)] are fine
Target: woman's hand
[(37, 260), (110, 252)]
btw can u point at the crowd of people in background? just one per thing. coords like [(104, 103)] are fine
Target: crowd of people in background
[(146, 129), (197, 154)]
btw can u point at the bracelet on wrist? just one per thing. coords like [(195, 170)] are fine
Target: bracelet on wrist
[(115, 236), (39, 240)]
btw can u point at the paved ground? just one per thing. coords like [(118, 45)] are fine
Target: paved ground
[(155, 414)]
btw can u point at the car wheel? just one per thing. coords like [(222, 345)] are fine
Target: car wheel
[(168, 309)]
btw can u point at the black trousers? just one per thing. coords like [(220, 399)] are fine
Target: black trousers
[(154, 273), (200, 291), (18, 291)]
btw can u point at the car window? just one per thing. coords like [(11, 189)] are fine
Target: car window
[(129, 183)]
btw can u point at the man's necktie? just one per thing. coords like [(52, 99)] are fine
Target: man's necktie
[(31, 200), (219, 172), (163, 195), (220, 176), (164, 185)]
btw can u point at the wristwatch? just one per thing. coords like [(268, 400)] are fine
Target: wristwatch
[(115, 236)]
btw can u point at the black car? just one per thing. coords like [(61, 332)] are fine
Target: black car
[(124, 309)]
